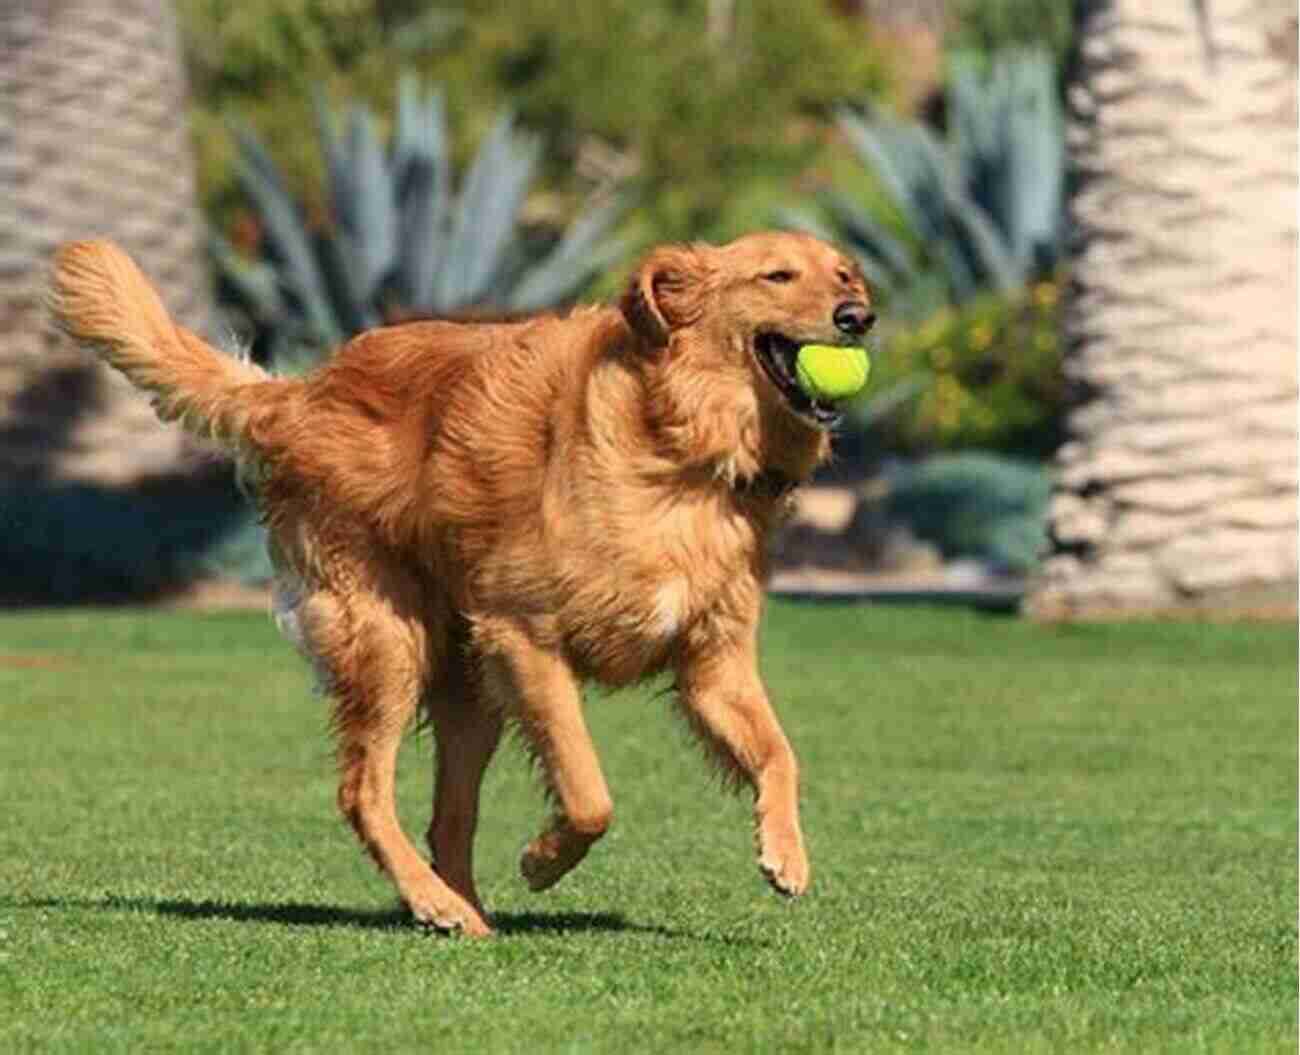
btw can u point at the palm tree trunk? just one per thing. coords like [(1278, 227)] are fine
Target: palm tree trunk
[(93, 142), (1178, 488)]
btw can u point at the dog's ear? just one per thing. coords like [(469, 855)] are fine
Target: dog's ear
[(666, 292)]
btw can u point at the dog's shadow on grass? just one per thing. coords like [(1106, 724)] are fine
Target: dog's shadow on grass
[(396, 919)]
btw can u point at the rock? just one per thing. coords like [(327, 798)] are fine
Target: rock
[(1075, 520), (1275, 511), (1139, 528), (1187, 493), (1217, 561)]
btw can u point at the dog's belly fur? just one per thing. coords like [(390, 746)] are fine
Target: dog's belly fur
[(618, 635), (617, 619), (626, 624), (620, 617)]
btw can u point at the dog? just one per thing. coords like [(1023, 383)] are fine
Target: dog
[(468, 521)]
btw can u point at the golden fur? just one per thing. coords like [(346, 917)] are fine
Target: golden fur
[(473, 519)]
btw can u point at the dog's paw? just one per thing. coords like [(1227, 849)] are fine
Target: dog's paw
[(785, 865), (539, 872), (547, 860), (470, 924)]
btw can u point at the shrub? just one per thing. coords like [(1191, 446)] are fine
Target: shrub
[(78, 542), (399, 241), (986, 374), (986, 27), (962, 237), (258, 63), (713, 123), (976, 505), (980, 209), (700, 108)]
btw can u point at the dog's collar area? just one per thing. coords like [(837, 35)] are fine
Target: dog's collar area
[(770, 483)]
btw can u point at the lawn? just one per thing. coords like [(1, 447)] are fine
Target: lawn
[(1023, 840)]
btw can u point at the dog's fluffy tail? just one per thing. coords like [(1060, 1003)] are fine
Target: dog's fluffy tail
[(100, 298)]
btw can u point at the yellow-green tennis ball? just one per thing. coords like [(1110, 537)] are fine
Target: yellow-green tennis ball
[(831, 373)]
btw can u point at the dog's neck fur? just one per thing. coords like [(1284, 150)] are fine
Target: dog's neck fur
[(709, 420)]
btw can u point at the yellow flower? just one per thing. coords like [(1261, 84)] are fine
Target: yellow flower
[(949, 397), (933, 329)]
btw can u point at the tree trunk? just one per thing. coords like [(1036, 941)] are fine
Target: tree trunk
[(1177, 491), (93, 142)]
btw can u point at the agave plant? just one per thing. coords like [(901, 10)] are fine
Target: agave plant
[(982, 209), (403, 241)]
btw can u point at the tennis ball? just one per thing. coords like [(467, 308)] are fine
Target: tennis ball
[(829, 372)]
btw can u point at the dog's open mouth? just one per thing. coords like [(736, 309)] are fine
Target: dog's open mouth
[(777, 354)]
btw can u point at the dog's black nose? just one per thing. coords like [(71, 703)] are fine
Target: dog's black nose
[(854, 318)]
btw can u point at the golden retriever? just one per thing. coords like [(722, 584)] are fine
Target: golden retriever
[(473, 519)]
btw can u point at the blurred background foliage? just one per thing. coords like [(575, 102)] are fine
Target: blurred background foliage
[(705, 118), (363, 161), (403, 240), (961, 229), (974, 505), (702, 107), (985, 27), (985, 374), (978, 207), (942, 168)]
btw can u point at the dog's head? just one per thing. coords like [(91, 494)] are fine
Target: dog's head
[(744, 310)]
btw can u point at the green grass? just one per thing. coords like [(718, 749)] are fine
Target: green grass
[(1023, 840)]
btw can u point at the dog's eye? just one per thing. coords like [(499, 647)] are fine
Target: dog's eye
[(780, 275), (844, 276)]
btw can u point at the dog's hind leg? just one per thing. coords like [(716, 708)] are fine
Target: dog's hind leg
[(537, 687), (467, 733), (376, 661)]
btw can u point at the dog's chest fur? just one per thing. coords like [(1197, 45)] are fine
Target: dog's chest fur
[(692, 573)]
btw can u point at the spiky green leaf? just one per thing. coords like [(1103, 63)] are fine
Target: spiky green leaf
[(575, 258), (254, 282), (422, 178), (370, 214), (287, 239), (485, 214), (870, 236)]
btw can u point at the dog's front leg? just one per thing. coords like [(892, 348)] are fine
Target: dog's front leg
[(720, 693), (536, 686)]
